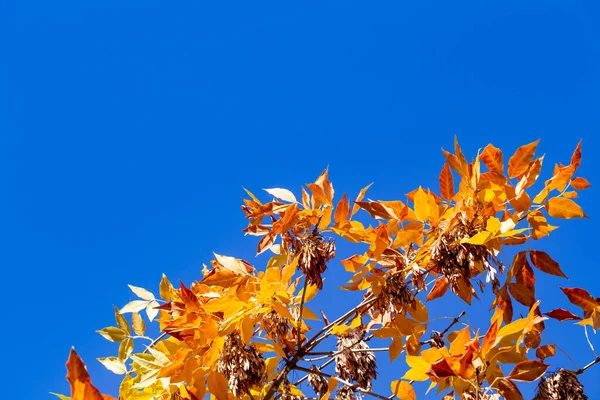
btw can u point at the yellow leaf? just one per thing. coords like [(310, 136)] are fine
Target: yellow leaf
[(479, 238), (113, 334), (422, 207), (165, 288), (403, 390), (139, 327), (125, 348), (114, 364), (559, 207), (121, 321)]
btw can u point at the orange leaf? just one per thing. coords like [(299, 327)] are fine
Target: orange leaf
[(545, 351), (446, 182), (559, 207), (576, 157), (342, 211), (490, 337), (562, 315), (80, 381), (217, 385), (528, 371), (438, 290), (580, 183), (545, 263), (360, 196), (519, 162), (507, 389), (581, 298), (492, 158)]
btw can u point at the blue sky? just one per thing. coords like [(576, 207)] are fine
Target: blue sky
[(127, 129)]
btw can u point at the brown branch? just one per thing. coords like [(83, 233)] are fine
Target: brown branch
[(312, 343), (582, 370), (455, 321), (353, 386), (300, 312)]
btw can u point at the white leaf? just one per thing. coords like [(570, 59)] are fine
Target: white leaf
[(114, 364), (134, 306), (141, 293), (231, 263), (282, 194), (151, 311)]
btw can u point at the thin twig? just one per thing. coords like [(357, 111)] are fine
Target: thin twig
[(327, 354), (155, 341), (443, 333)]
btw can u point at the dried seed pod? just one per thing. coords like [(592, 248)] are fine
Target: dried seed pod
[(345, 393), (458, 261), (315, 251), (396, 295), (286, 392), (242, 365), (354, 362), (318, 383), (276, 325), (560, 385)]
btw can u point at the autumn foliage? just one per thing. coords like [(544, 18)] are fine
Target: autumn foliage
[(247, 332)]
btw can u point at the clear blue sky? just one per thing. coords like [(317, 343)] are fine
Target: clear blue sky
[(127, 129)]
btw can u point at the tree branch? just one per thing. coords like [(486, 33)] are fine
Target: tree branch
[(582, 370), (353, 386)]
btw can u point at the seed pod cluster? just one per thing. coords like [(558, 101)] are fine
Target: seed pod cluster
[(456, 260), (275, 324), (345, 393), (396, 295), (560, 385), (242, 365), (352, 365), (314, 251), (318, 383)]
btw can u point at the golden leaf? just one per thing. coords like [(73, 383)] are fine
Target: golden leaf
[(559, 207), (403, 390)]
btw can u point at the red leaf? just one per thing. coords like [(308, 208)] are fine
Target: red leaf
[(562, 315), (545, 263), (581, 298), (446, 182)]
